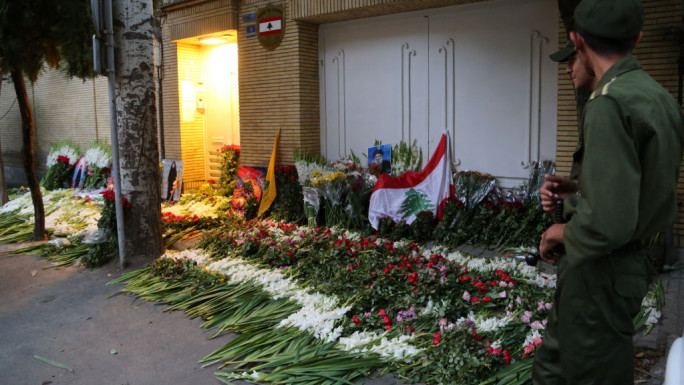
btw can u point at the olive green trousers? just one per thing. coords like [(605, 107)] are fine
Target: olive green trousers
[(588, 336)]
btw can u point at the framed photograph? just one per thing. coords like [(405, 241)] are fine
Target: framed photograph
[(380, 157), (172, 179)]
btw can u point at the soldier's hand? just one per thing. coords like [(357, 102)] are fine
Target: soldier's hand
[(550, 240), (555, 188)]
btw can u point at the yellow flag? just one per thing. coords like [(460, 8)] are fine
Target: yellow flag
[(269, 194)]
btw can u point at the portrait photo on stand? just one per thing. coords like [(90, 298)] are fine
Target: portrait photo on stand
[(172, 179), (380, 157)]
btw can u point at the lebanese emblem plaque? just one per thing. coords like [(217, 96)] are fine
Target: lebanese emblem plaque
[(270, 26)]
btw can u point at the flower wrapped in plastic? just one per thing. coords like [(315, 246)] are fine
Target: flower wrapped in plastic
[(312, 204), (309, 165), (333, 186), (60, 165), (472, 187), (98, 160), (536, 177)]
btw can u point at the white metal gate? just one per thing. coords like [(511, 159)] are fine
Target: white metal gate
[(480, 71)]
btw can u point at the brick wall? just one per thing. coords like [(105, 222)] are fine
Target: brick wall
[(657, 56), (278, 88), (62, 109)]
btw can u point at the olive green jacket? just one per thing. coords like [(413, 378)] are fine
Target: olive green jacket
[(627, 163)]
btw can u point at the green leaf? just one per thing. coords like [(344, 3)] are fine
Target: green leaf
[(53, 363)]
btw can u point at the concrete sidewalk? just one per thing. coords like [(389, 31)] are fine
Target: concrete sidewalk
[(64, 314)]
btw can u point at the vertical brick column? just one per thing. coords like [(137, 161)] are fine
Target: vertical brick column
[(278, 88)]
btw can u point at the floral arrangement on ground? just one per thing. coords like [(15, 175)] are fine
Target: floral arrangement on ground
[(318, 306), (327, 305)]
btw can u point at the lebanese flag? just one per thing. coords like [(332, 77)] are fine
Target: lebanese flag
[(270, 26), (402, 198)]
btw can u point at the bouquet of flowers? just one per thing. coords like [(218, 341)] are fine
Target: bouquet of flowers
[(406, 157), (98, 159), (472, 187), (333, 186), (312, 204), (308, 163), (60, 165)]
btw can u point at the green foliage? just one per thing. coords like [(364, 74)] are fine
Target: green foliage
[(357, 204), (385, 227), (107, 221), (458, 359), (65, 253), (229, 161), (251, 207), (401, 230), (423, 227), (57, 176), (289, 202), (100, 253), (308, 157), (35, 32)]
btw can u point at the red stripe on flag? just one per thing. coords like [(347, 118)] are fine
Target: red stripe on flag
[(270, 19), (270, 32), (412, 178)]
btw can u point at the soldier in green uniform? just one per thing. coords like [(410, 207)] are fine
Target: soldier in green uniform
[(584, 81), (627, 163)]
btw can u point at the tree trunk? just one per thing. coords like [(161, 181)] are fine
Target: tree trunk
[(137, 131), (4, 198), (27, 155)]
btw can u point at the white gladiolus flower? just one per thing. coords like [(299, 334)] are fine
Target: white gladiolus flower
[(98, 157), (486, 324), (533, 335), (65, 150), (64, 214)]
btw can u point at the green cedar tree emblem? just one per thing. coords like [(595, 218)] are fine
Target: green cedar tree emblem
[(415, 202)]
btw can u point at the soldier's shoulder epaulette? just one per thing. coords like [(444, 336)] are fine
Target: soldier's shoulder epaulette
[(603, 90)]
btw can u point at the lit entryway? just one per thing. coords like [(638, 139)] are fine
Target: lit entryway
[(222, 106)]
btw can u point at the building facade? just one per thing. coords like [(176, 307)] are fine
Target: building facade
[(337, 76)]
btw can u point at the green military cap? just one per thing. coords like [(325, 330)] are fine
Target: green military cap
[(563, 54), (610, 19)]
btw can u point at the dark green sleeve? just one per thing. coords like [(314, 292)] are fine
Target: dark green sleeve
[(607, 206)]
